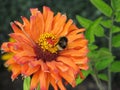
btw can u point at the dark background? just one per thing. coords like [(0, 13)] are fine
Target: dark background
[(11, 10)]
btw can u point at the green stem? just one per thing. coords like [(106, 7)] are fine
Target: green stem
[(95, 77), (110, 49), (98, 82), (109, 72), (109, 77)]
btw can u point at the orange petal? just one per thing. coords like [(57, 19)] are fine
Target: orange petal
[(81, 75), (26, 25), (24, 60), (39, 24), (69, 77), (31, 70), (61, 66), (48, 21), (80, 60), (15, 28), (74, 35), (9, 62), (44, 81), (34, 62), (51, 65), (22, 39), (24, 68), (19, 24), (68, 62), (45, 12), (6, 47), (59, 25), (72, 52), (55, 75), (10, 47), (23, 53), (56, 18), (35, 80), (33, 11), (60, 85), (33, 27), (33, 24), (78, 43), (65, 30), (72, 27), (84, 66), (53, 83), (16, 69), (44, 67)]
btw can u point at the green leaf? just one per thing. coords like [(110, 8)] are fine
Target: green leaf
[(96, 22), (98, 30), (94, 29), (93, 56), (103, 77), (115, 67), (103, 7), (90, 35), (102, 64), (106, 23), (83, 21), (105, 58), (117, 18), (86, 23), (104, 51), (115, 5), (116, 40), (92, 46), (115, 29), (85, 74), (26, 83)]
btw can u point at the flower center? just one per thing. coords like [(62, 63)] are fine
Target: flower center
[(46, 48), (47, 42)]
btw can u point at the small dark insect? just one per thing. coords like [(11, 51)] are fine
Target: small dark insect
[(62, 43)]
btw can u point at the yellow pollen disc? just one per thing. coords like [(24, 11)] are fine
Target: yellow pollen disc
[(48, 42)]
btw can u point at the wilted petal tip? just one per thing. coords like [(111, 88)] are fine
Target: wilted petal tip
[(11, 23), (21, 16), (5, 65), (2, 51), (10, 34), (64, 15)]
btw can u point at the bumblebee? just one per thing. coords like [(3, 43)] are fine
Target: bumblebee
[(62, 43)]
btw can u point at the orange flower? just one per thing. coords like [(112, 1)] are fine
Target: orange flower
[(48, 48)]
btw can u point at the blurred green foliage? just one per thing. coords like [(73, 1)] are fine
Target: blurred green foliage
[(104, 61)]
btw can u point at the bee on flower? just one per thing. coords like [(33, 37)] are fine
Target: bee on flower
[(49, 48)]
